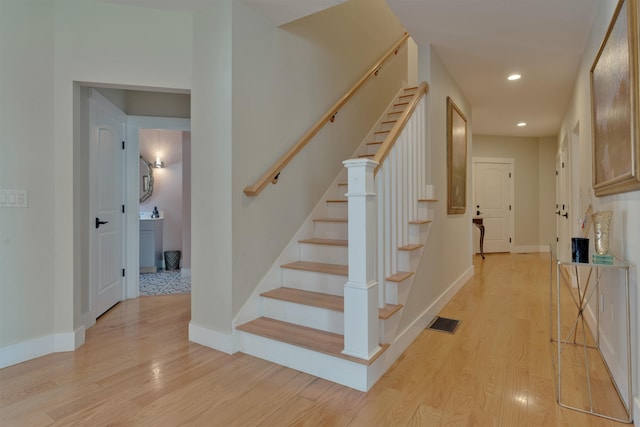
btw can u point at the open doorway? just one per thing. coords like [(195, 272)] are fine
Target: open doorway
[(142, 110)]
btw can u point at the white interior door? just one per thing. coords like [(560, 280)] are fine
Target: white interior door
[(107, 130), (563, 191), (493, 202)]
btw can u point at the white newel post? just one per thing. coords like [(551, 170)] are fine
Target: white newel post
[(361, 290)]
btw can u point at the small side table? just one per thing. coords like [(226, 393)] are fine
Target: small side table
[(478, 223), (581, 294)]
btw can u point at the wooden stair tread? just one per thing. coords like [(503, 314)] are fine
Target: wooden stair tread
[(360, 156), (407, 95), (329, 242), (322, 300), (318, 267), (330, 220), (389, 310), (374, 143), (314, 299), (336, 201), (427, 200), (302, 336), (411, 247), (410, 88), (400, 276), (386, 122), (400, 103), (378, 132), (420, 221)]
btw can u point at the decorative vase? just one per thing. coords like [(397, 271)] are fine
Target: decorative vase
[(601, 225)]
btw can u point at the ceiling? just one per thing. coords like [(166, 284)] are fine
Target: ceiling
[(480, 43)]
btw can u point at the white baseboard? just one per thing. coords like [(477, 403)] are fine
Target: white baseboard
[(185, 272), (406, 337), (529, 249), (210, 338), (41, 346), (636, 407)]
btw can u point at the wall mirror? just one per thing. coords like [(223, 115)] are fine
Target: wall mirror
[(146, 179)]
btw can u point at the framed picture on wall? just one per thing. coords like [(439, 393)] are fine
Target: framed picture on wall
[(614, 105), (456, 159)]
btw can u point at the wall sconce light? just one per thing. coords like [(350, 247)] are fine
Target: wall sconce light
[(158, 164)]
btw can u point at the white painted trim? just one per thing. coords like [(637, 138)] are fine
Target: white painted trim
[(406, 337), (529, 249), (185, 272), (41, 346), (210, 338), (636, 406)]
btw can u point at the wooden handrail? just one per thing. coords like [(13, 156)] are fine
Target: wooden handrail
[(271, 176), (395, 131)]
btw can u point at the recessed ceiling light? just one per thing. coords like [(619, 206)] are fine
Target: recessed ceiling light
[(521, 124), (514, 77)]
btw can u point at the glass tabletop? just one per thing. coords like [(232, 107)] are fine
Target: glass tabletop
[(617, 262)]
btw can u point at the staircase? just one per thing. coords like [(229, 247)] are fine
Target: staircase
[(300, 320)]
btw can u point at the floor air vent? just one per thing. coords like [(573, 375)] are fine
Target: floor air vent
[(443, 324)]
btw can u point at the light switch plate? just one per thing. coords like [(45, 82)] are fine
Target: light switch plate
[(14, 199)]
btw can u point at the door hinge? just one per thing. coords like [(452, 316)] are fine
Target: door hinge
[(123, 272), (509, 174), (122, 208), (557, 239), (562, 165), (556, 173), (509, 239), (509, 207), (123, 145)]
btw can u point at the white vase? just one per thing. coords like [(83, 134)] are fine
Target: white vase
[(601, 226)]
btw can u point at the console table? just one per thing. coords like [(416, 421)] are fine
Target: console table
[(586, 340)]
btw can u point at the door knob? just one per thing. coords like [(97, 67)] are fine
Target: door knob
[(99, 223)]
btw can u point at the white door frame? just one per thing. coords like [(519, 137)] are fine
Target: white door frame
[(501, 160)]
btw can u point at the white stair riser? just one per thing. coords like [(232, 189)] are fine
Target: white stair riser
[(389, 327), (324, 253), (418, 232), (379, 137), (313, 281), (347, 373), (337, 210), (341, 190), (312, 317), (409, 260), (373, 148), (386, 126), (397, 292), (331, 230)]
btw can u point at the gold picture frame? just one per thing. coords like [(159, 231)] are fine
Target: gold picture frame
[(614, 105), (456, 159)]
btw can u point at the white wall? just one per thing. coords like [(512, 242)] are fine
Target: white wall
[(46, 49), (27, 149), (626, 207)]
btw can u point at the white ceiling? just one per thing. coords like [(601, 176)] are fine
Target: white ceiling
[(480, 42)]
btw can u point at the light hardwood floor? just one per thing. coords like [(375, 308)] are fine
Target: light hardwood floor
[(138, 369)]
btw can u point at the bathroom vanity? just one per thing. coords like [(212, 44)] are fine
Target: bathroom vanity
[(150, 242)]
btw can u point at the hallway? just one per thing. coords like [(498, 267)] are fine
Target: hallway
[(138, 369)]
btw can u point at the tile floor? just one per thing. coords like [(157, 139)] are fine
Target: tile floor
[(164, 283)]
